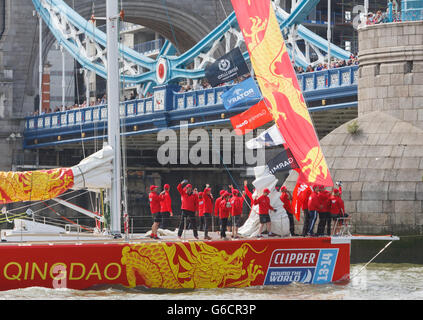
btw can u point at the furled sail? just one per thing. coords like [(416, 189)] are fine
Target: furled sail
[(93, 173), (280, 89)]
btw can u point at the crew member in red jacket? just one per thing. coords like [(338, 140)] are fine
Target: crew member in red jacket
[(264, 206), (313, 206), (304, 206), (337, 209), (286, 199), (207, 210), (225, 211), (324, 212), (237, 206), (165, 206), (189, 208), (217, 208), (154, 200), (201, 209)]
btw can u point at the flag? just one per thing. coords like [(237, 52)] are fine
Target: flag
[(280, 89), (268, 138), (241, 93), (230, 66), (254, 117), (284, 161), (298, 197)]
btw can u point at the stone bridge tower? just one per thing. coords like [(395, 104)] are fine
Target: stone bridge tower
[(380, 161)]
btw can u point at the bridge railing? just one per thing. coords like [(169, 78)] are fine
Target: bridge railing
[(332, 78), (310, 83)]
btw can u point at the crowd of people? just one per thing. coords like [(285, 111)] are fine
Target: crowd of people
[(316, 202), (391, 14), (335, 63), (199, 85), (204, 84)]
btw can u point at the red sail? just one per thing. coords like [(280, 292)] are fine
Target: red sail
[(280, 89)]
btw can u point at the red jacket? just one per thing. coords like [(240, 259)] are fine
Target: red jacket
[(286, 202), (324, 198), (225, 208), (236, 203), (208, 203), (217, 207), (201, 206), (313, 201), (165, 202), (189, 201), (264, 204), (154, 200), (304, 198), (337, 205), (248, 193)]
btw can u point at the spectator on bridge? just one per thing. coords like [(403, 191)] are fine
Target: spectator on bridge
[(378, 17)]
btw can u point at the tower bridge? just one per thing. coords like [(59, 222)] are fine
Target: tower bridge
[(197, 32)]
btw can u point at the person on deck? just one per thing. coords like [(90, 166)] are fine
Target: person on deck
[(264, 206), (304, 206), (217, 207), (225, 210), (154, 200), (207, 210), (324, 212), (237, 206), (165, 206), (337, 209), (201, 209), (286, 199), (313, 205), (189, 208)]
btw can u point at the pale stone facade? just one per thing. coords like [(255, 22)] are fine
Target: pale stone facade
[(381, 166)]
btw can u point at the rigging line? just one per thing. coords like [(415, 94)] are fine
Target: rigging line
[(226, 168), (123, 138), (38, 202), (64, 218), (383, 249), (171, 27)]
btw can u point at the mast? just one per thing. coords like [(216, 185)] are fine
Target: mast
[(113, 117)]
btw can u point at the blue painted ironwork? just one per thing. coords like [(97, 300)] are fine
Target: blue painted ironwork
[(411, 10), (59, 17), (168, 106)]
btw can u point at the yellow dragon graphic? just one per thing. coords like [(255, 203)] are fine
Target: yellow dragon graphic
[(34, 185), (204, 267), (265, 60)]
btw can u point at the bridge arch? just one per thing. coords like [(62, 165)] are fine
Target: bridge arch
[(179, 21)]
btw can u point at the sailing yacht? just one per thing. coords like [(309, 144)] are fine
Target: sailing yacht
[(35, 254)]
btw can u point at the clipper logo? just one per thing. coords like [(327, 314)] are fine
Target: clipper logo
[(301, 265)]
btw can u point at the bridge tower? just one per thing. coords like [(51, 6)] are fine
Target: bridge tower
[(379, 155)]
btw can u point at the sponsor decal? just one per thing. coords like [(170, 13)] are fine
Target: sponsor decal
[(243, 92), (301, 265), (250, 119), (284, 161), (230, 66)]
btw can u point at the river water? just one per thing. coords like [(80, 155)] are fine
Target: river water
[(378, 281)]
